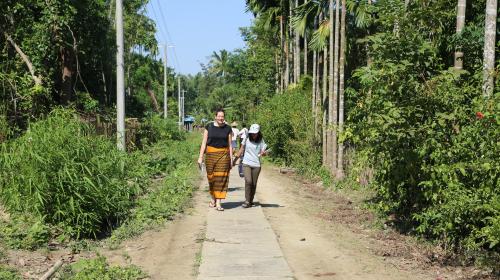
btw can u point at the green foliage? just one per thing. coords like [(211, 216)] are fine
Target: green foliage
[(166, 197), (98, 268), (75, 38), (431, 135), (248, 80), (24, 232), (288, 128), (9, 273), (155, 128), (60, 171), (5, 130)]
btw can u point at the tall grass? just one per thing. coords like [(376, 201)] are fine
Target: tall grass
[(166, 196), (65, 174)]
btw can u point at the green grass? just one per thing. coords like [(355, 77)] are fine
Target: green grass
[(9, 273), (66, 176), (98, 268), (61, 181), (168, 195)]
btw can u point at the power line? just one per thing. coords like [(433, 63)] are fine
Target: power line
[(156, 20), (168, 37)]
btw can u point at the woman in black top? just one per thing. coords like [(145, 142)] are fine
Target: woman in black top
[(216, 145)]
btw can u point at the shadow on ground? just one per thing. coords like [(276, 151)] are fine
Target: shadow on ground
[(231, 205)]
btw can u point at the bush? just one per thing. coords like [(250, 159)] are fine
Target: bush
[(9, 273), (155, 128), (288, 128), (434, 145), (162, 200), (98, 268), (60, 171), (24, 232)]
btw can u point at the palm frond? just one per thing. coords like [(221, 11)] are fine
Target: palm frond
[(362, 12), (320, 36)]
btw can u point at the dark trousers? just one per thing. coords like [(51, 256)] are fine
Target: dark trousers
[(251, 177)]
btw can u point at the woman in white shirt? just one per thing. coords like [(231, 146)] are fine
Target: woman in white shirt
[(254, 148)]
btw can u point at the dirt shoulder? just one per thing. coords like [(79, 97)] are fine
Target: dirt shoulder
[(329, 235)]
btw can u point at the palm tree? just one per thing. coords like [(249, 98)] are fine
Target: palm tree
[(296, 52), (305, 49), (219, 63), (343, 40), (362, 19), (459, 55), (333, 89), (325, 108), (489, 46), (271, 13)]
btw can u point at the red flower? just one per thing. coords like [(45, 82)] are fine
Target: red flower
[(479, 115)]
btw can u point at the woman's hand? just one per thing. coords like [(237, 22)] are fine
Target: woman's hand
[(236, 161)]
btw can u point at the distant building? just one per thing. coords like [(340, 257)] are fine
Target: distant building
[(188, 123)]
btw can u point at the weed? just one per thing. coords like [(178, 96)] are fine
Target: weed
[(9, 273), (98, 268)]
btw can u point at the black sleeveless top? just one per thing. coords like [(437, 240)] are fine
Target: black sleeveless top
[(218, 135)]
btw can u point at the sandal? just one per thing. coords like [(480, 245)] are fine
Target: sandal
[(219, 208), (211, 204), (246, 205)]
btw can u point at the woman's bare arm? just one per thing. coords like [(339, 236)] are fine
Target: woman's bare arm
[(230, 138), (203, 146)]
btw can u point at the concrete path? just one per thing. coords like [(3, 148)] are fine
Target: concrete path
[(239, 242)]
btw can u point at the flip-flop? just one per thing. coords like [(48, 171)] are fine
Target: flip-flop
[(211, 204), (219, 208)]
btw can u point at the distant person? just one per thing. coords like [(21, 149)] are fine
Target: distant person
[(254, 148), (234, 128), (242, 135), (216, 146)]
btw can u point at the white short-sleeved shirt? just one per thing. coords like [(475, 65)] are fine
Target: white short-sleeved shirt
[(252, 151), (235, 133)]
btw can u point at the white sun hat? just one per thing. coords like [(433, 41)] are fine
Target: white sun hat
[(254, 128)]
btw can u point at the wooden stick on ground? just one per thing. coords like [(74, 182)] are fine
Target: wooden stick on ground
[(52, 270)]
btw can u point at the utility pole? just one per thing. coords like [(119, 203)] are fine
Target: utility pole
[(165, 81), (165, 89), (179, 98), (183, 107), (120, 77)]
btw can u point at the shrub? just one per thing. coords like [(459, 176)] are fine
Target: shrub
[(24, 232), (288, 128), (9, 273), (98, 268), (434, 145), (155, 128), (60, 171), (164, 199)]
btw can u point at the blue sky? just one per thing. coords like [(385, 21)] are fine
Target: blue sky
[(197, 28)]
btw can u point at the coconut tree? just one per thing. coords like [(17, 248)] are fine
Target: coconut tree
[(219, 63), (274, 13), (308, 19)]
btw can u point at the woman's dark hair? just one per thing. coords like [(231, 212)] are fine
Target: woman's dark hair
[(258, 138), (219, 110)]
